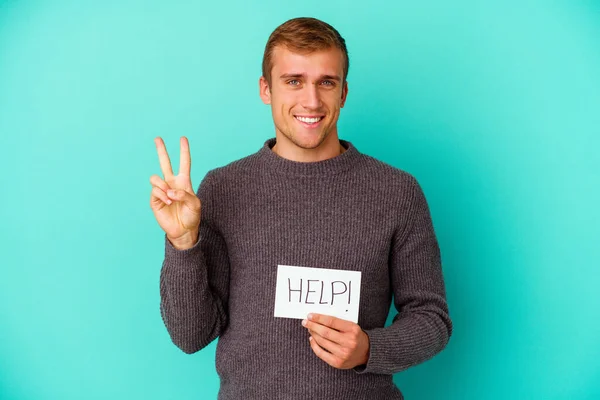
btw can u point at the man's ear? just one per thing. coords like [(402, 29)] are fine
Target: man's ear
[(344, 94), (264, 90)]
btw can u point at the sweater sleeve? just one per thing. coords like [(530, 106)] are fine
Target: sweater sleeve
[(422, 326), (194, 283)]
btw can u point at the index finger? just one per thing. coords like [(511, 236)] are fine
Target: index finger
[(163, 158), (338, 324), (185, 160)]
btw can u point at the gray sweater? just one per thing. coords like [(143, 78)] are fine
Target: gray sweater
[(349, 212)]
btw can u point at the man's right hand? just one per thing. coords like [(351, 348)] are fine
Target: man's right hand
[(173, 200)]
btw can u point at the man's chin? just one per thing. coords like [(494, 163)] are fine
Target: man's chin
[(308, 141)]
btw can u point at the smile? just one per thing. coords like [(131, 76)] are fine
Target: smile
[(310, 122)]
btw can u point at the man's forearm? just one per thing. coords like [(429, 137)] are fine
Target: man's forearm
[(193, 301)]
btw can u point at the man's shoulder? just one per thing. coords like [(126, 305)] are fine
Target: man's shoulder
[(387, 181), (233, 169), (384, 172)]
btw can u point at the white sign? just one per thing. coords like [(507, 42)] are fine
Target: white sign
[(302, 290)]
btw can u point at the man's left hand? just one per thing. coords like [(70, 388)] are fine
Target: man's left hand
[(340, 343)]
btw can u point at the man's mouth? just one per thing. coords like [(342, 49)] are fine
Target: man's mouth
[(309, 122)]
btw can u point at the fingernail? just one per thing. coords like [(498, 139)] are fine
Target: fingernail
[(303, 322), (171, 193), (309, 316), (310, 338)]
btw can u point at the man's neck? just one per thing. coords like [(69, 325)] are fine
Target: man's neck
[(330, 148)]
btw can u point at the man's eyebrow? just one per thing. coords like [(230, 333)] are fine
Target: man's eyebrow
[(331, 77), (292, 75), (295, 75)]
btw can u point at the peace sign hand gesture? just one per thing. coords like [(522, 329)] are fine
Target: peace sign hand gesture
[(173, 200)]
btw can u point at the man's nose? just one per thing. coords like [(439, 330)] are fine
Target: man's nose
[(312, 98)]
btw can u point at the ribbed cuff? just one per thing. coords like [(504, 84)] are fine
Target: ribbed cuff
[(191, 256), (376, 363)]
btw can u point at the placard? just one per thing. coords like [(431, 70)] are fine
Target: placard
[(302, 290)]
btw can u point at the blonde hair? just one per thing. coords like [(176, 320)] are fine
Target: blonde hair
[(303, 35)]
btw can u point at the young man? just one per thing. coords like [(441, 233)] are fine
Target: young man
[(306, 198)]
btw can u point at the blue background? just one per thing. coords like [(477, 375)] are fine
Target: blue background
[(493, 106)]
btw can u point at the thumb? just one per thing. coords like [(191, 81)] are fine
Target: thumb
[(190, 200)]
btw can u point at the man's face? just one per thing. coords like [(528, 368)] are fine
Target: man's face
[(306, 95)]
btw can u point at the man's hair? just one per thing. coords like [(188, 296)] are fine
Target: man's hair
[(303, 35)]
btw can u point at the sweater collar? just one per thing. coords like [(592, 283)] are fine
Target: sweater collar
[(329, 166)]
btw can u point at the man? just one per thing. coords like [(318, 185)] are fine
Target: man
[(306, 198)]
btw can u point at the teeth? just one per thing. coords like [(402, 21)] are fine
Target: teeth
[(309, 120)]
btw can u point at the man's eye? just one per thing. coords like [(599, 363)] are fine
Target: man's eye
[(293, 82), (328, 83)]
